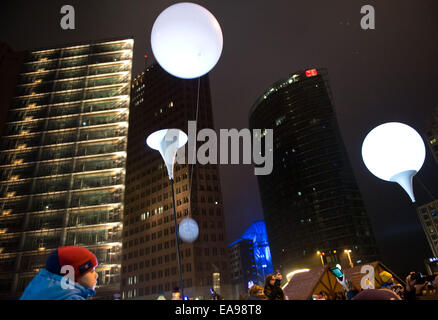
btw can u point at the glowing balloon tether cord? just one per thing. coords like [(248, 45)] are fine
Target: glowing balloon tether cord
[(196, 123), (190, 201)]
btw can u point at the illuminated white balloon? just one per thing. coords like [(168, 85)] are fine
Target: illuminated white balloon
[(188, 230), (394, 152), (186, 40), (167, 141)]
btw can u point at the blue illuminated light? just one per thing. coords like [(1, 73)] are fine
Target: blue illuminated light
[(262, 253)]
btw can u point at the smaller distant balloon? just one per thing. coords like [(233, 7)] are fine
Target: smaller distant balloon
[(188, 230)]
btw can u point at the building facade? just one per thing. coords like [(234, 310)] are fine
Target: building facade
[(161, 101), (311, 200), (62, 161), (428, 214), (10, 64), (243, 267), (432, 135), (250, 259)]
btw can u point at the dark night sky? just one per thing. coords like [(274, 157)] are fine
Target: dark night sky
[(376, 76)]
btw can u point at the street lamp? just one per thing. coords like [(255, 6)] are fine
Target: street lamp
[(321, 254), (167, 142), (349, 257)]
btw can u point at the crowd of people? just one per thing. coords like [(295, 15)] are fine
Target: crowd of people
[(388, 290), (50, 283)]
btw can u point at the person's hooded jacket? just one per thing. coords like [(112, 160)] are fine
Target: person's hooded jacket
[(274, 292), (47, 286)]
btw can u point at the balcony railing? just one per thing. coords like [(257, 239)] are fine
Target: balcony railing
[(95, 217), (42, 241), (94, 198), (99, 164), (51, 185), (18, 143), (59, 153), (18, 158), (84, 238), (55, 168), (16, 172), (21, 115), (14, 189), (72, 73), (41, 222)]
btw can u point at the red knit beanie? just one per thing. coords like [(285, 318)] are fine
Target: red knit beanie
[(81, 259)]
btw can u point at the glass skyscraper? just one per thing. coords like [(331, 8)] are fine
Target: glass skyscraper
[(311, 200), (62, 161)]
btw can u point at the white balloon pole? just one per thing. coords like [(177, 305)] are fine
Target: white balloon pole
[(187, 42), (167, 142)]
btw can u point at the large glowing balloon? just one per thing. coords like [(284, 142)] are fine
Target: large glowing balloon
[(186, 40), (188, 230), (394, 152)]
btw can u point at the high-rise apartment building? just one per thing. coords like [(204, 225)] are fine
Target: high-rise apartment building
[(62, 161), (428, 214), (161, 101), (311, 200)]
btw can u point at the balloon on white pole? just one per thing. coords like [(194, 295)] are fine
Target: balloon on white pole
[(394, 152), (167, 141), (186, 40), (188, 230)]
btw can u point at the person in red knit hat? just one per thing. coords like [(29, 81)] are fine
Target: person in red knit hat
[(72, 262)]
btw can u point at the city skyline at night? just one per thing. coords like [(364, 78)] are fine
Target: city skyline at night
[(377, 76)]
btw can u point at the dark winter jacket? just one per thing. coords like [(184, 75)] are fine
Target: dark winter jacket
[(47, 286), (274, 292)]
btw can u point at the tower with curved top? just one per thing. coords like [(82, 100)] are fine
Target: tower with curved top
[(312, 205)]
